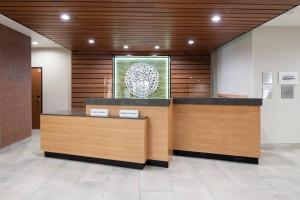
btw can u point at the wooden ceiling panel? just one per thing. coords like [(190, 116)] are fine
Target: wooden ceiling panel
[(141, 24)]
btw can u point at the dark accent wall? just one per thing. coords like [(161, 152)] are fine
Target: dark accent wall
[(92, 76), (15, 86)]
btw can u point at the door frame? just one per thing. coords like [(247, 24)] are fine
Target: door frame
[(40, 68)]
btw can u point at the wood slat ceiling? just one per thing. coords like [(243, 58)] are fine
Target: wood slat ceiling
[(144, 23)]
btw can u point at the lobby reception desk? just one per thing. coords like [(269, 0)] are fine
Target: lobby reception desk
[(159, 114), (220, 128), (111, 140)]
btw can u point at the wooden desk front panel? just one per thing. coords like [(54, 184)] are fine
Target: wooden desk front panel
[(219, 129), (108, 138), (159, 131)]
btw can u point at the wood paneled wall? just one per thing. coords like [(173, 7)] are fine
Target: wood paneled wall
[(142, 23), (92, 76), (190, 76)]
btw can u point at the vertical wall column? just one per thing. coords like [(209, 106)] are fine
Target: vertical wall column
[(15, 86)]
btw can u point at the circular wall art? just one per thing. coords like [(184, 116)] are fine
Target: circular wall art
[(141, 79)]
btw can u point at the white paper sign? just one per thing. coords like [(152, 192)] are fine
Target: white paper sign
[(99, 112), (267, 91), (288, 78), (267, 77), (129, 113)]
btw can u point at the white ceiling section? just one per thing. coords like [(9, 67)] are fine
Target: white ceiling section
[(43, 42), (290, 18)]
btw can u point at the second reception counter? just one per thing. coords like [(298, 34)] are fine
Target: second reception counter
[(220, 128)]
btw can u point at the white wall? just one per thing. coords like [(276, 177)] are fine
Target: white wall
[(271, 49), (56, 64), (234, 67), (278, 49)]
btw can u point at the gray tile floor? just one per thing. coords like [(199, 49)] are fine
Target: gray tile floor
[(26, 174)]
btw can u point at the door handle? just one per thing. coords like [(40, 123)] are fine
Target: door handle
[(38, 99)]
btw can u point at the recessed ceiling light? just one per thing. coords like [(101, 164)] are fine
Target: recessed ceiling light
[(91, 41), (35, 43), (154, 55), (125, 46), (128, 55), (216, 18), (156, 47), (191, 42), (65, 17)]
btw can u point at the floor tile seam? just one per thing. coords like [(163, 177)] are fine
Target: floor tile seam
[(140, 185), (110, 173), (45, 182), (18, 143), (233, 180), (203, 183), (172, 185), (21, 176), (274, 189), (76, 181)]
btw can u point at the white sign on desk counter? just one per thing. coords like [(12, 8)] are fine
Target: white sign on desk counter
[(99, 112), (129, 113)]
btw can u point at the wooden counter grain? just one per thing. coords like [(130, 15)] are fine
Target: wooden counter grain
[(159, 127), (218, 129), (105, 138)]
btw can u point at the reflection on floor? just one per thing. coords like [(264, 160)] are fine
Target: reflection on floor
[(26, 174)]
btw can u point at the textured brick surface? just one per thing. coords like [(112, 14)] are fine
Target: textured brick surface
[(15, 86)]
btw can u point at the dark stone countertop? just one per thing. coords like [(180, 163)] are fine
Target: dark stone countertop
[(219, 101), (128, 102), (83, 114)]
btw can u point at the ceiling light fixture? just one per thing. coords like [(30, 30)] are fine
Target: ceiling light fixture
[(65, 17), (156, 47), (91, 41), (125, 46), (191, 42), (216, 18), (35, 43)]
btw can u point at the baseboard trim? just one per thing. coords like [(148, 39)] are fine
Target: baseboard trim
[(280, 145), (242, 159), (117, 163)]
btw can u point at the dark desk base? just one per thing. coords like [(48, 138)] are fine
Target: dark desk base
[(158, 163), (131, 165), (96, 160), (217, 156)]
